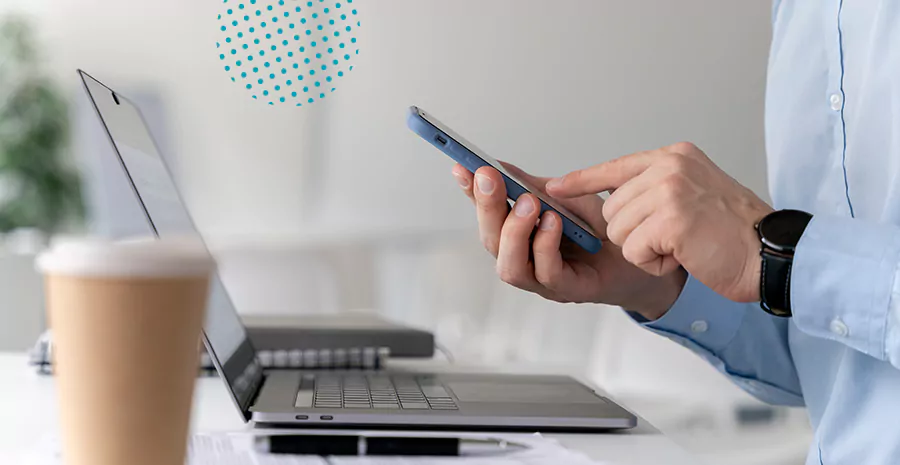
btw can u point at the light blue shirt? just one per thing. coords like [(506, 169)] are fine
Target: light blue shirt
[(833, 147)]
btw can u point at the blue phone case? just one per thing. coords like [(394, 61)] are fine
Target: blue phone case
[(472, 162)]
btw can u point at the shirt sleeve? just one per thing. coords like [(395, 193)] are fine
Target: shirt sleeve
[(740, 340), (844, 285)]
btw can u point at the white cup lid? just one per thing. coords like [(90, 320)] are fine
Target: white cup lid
[(179, 257)]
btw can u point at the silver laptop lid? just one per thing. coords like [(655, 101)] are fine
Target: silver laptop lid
[(224, 334)]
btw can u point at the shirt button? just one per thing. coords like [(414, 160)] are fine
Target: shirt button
[(839, 328), (699, 326), (837, 101)]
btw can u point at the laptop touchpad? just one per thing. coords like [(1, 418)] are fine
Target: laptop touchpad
[(523, 393)]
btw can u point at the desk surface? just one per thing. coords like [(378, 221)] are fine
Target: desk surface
[(28, 406)]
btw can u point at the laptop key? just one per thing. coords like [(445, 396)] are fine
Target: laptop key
[(415, 406), (441, 402), (437, 406), (304, 399), (435, 391)]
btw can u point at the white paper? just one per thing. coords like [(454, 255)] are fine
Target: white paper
[(237, 449), (219, 449)]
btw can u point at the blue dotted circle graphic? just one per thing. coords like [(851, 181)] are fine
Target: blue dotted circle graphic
[(291, 52)]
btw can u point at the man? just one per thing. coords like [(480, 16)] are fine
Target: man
[(684, 255)]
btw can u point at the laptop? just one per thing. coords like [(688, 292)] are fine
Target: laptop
[(333, 398)]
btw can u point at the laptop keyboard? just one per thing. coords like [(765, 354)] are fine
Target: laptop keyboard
[(360, 391)]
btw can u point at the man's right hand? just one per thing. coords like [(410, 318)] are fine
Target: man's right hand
[(552, 266)]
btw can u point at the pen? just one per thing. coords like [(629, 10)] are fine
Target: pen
[(298, 444)]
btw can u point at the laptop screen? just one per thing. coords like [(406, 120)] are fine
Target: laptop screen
[(224, 333)]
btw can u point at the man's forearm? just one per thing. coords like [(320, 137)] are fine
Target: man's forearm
[(738, 339)]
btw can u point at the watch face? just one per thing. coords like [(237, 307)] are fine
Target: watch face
[(782, 230)]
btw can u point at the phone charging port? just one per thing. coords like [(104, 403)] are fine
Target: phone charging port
[(441, 140)]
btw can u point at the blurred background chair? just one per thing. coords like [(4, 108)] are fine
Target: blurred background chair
[(22, 302)]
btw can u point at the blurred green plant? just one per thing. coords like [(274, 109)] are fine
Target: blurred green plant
[(37, 188)]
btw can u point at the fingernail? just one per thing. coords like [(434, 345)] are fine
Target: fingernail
[(548, 222), (485, 184), (524, 207), (554, 183), (463, 181)]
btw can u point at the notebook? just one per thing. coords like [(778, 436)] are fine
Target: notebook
[(352, 340)]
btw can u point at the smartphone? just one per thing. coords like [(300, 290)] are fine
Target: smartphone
[(469, 156)]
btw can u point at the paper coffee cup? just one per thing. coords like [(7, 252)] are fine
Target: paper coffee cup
[(126, 321)]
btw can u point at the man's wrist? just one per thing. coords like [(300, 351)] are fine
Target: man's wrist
[(656, 303), (754, 274), (779, 234)]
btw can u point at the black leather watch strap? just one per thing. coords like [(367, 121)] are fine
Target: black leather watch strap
[(775, 283)]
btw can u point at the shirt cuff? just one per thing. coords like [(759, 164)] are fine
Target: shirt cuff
[(700, 316), (843, 281)]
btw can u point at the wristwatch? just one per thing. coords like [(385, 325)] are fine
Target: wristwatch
[(779, 232)]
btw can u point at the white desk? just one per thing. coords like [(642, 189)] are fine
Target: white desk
[(28, 412)]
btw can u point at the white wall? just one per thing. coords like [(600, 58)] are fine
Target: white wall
[(550, 85)]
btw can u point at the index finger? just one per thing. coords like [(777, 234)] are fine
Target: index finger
[(589, 208), (603, 177), (537, 181)]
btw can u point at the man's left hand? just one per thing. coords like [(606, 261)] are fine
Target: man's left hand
[(674, 207)]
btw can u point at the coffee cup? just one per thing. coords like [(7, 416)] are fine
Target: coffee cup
[(126, 320)]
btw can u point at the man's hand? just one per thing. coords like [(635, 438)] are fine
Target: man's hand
[(674, 207), (553, 267)]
